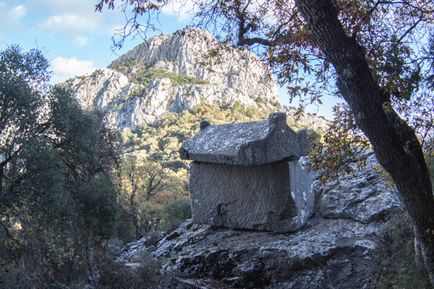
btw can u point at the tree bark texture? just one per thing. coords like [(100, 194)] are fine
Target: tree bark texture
[(394, 142)]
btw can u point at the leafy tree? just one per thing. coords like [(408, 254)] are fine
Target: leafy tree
[(342, 146), (140, 180), (57, 200), (377, 55)]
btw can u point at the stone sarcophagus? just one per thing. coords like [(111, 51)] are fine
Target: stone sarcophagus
[(248, 175)]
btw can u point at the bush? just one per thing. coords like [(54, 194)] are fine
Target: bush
[(114, 275), (20, 274), (398, 269), (176, 212)]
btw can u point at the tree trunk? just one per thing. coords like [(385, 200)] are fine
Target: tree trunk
[(394, 142), (1, 181), (90, 265), (133, 205), (134, 215)]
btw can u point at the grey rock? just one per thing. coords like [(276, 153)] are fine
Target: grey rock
[(132, 252), (247, 143), (302, 191), (241, 177), (362, 197), (333, 250), (241, 197), (231, 75), (325, 254)]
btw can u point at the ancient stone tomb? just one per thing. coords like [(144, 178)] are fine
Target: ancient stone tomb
[(248, 175)]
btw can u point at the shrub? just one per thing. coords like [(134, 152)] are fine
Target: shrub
[(146, 76), (176, 212), (114, 275), (398, 269)]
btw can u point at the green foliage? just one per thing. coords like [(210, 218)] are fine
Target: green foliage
[(129, 66), (340, 147), (176, 79), (175, 213), (138, 73), (57, 198)]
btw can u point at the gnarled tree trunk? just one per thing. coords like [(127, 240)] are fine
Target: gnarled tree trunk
[(394, 142)]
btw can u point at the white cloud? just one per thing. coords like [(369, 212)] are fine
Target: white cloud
[(75, 20), (182, 9), (18, 11), (70, 23), (11, 15), (81, 40), (65, 68)]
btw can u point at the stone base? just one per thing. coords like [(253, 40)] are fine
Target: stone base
[(255, 198)]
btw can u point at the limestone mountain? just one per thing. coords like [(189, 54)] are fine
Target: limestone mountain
[(170, 73)]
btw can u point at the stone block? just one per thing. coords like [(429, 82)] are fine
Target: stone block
[(274, 197)]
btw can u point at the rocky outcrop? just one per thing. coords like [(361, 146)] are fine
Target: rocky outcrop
[(342, 246), (326, 254), (363, 198), (170, 73)]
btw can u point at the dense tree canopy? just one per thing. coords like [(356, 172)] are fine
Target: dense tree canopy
[(57, 200), (377, 55)]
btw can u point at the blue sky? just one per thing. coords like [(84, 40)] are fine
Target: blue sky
[(77, 40), (72, 36)]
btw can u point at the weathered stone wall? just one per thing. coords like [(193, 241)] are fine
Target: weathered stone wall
[(257, 198)]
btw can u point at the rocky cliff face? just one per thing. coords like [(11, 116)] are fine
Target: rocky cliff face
[(358, 221), (170, 73)]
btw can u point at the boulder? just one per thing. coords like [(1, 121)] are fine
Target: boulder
[(363, 197), (324, 254)]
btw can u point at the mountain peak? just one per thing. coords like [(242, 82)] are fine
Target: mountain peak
[(170, 47), (170, 73)]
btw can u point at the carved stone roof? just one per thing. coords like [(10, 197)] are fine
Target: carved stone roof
[(246, 143)]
